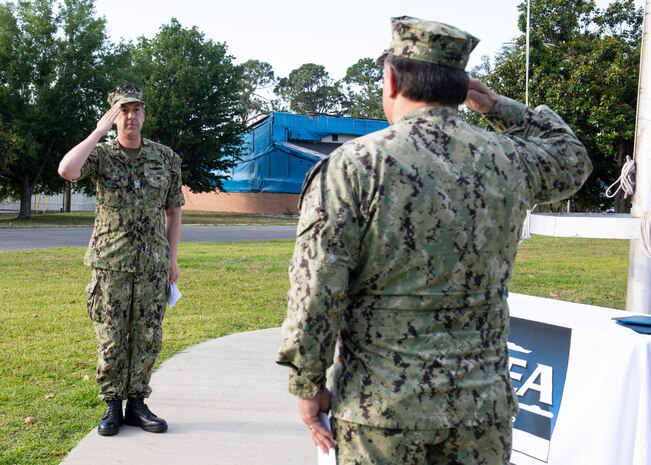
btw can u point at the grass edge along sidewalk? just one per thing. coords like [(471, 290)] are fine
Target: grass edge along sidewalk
[(48, 345)]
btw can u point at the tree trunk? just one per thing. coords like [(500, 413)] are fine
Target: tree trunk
[(26, 191), (67, 198)]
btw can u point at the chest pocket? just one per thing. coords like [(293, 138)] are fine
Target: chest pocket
[(112, 189), (156, 175), (157, 181)]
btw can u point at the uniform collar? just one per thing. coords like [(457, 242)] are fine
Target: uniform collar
[(116, 150), (116, 145), (433, 111)]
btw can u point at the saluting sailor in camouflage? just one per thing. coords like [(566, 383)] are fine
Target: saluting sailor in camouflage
[(132, 197), (129, 252), (129, 236), (405, 247), (414, 269)]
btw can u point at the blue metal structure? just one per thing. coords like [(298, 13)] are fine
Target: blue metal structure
[(281, 148)]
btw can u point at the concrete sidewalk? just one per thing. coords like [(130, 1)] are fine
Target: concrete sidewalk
[(226, 403)]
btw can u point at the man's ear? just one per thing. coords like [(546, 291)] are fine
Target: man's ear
[(390, 78)]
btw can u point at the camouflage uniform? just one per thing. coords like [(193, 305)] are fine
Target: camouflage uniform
[(485, 444), (129, 254), (405, 246)]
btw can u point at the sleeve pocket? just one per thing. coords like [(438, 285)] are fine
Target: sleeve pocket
[(308, 219), (93, 292)]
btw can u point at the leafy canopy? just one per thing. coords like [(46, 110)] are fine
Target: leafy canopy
[(192, 92), (52, 78), (584, 63)]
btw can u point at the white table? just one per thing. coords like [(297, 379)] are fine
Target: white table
[(583, 384)]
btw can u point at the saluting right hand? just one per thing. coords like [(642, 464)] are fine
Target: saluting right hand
[(480, 97), (106, 122), (73, 161)]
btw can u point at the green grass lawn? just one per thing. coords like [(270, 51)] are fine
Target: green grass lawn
[(588, 271), (48, 345)]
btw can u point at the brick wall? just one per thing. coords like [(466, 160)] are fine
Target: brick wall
[(241, 202)]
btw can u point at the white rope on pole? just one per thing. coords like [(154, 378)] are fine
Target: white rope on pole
[(626, 183), (526, 227), (626, 180)]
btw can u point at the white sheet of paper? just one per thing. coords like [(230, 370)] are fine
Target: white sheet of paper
[(174, 295), (329, 458)]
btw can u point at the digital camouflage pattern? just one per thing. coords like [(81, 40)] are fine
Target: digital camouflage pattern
[(405, 246), (126, 93), (127, 311), (129, 232), (129, 253), (485, 444), (430, 41)]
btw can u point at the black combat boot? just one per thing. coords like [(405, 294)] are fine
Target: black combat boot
[(138, 414), (110, 423)]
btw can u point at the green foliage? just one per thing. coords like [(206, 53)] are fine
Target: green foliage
[(310, 89), (192, 91), (258, 79), (56, 67), (584, 63), (363, 90), (51, 71), (8, 140)]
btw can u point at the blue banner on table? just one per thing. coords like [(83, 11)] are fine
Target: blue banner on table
[(538, 357)]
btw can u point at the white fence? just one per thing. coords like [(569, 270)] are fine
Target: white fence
[(52, 203)]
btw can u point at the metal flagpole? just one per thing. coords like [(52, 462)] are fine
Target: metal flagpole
[(638, 297), (526, 78)]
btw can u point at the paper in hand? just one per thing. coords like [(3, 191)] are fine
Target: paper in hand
[(329, 458), (174, 295)]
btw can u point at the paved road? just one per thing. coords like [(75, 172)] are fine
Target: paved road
[(46, 238)]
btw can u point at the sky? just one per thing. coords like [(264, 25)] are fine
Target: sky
[(332, 33)]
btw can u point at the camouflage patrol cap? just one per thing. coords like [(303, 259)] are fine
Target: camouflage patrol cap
[(125, 93), (430, 41)]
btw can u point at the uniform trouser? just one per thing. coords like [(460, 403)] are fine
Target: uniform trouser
[(487, 444), (127, 310)]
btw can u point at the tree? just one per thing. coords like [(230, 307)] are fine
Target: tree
[(584, 63), (51, 74), (309, 89), (258, 80), (192, 94), (8, 142), (363, 90)]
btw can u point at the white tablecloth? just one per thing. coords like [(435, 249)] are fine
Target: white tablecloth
[(599, 407)]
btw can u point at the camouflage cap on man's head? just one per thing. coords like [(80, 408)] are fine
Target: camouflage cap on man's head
[(125, 94), (430, 41)]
